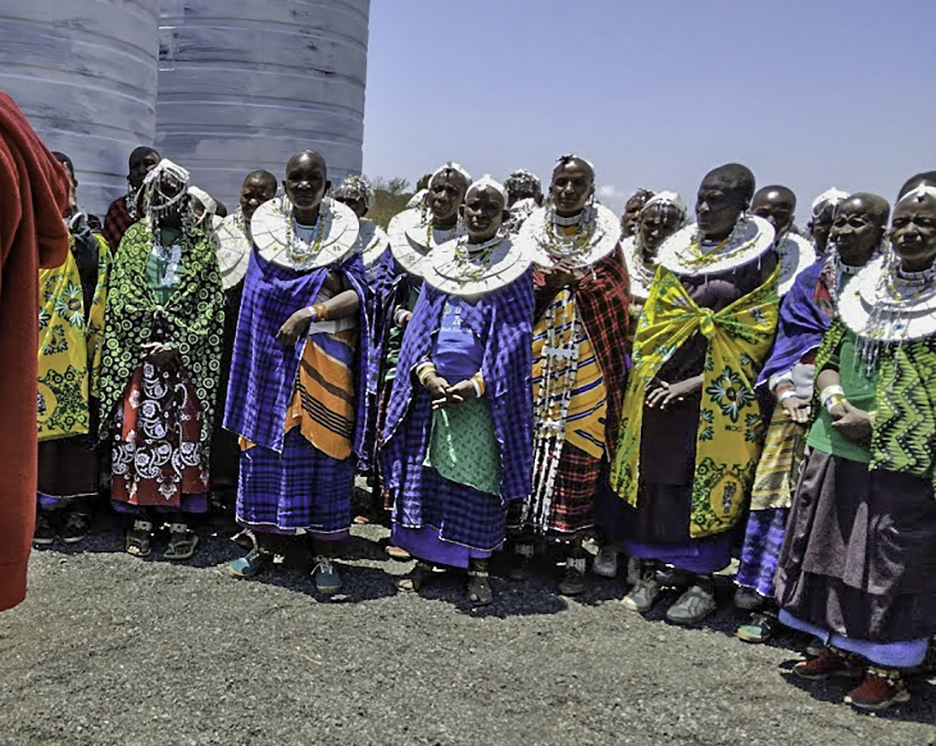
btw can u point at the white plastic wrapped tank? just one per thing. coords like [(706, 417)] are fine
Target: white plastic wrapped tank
[(85, 74), (245, 84)]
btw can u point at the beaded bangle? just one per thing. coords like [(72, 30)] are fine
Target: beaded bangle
[(832, 396), (423, 371), (477, 380)]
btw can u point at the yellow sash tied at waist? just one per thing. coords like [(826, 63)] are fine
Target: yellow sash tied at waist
[(729, 436)]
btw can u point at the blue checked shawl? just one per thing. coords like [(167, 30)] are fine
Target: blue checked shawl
[(263, 372), (503, 322), (392, 289), (802, 324)]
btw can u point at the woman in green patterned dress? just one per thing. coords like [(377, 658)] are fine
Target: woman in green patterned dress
[(161, 366)]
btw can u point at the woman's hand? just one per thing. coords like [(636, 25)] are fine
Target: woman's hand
[(160, 354), (561, 274), (461, 392), (797, 408), (853, 423), (661, 394), (403, 318), (295, 326), (437, 387)]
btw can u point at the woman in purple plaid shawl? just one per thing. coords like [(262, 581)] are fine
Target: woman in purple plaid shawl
[(297, 387), (458, 443), (414, 234)]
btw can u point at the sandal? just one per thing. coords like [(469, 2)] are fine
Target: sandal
[(479, 588), (415, 579), (138, 539), (398, 553), (182, 543)]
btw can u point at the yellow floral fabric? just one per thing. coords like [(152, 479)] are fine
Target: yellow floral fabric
[(731, 426), (69, 347)]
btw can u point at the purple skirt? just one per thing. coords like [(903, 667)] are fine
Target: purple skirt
[(300, 489), (760, 554), (454, 513)]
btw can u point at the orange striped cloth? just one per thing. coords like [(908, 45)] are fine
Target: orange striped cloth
[(323, 405)]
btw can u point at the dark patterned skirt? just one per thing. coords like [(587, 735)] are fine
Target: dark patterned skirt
[(859, 557)]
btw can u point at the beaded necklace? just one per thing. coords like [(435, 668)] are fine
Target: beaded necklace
[(471, 260), (890, 306), (300, 252), (551, 410), (430, 236), (568, 247)]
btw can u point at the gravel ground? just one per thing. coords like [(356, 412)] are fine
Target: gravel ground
[(109, 649)]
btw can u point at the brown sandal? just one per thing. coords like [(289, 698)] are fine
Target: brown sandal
[(415, 579), (182, 543), (479, 588)]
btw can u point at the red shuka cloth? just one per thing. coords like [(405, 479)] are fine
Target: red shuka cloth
[(33, 196)]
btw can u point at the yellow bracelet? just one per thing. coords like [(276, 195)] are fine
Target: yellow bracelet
[(422, 373), (321, 311)]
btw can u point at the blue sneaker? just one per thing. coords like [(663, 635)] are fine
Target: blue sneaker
[(326, 577), (248, 566)]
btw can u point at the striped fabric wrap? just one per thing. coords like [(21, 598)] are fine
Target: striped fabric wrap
[(585, 423), (323, 405), (780, 463)]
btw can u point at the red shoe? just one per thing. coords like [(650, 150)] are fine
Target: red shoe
[(829, 663), (881, 688)]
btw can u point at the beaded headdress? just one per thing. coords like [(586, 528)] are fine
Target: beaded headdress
[(165, 192), (357, 187), (452, 166), (522, 181)]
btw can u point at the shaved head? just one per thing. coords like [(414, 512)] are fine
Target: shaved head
[(876, 207), (307, 156), (733, 177), (777, 205), (569, 162), (925, 178), (262, 176)]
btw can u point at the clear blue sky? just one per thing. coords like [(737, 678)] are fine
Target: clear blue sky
[(807, 93)]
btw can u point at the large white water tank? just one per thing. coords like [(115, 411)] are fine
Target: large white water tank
[(244, 84), (84, 72)]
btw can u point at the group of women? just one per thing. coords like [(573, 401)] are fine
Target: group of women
[(517, 371)]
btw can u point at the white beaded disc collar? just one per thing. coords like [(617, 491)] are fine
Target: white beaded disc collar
[(273, 228)]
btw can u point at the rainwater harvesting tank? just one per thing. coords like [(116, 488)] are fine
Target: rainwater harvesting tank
[(244, 84), (84, 73)]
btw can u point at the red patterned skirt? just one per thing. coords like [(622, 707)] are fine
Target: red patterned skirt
[(157, 452)]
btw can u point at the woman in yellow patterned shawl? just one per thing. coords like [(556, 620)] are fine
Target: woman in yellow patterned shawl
[(71, 326), (691, 429)]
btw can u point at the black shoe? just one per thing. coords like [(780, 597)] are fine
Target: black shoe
[(76, 527), (44, 535)]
